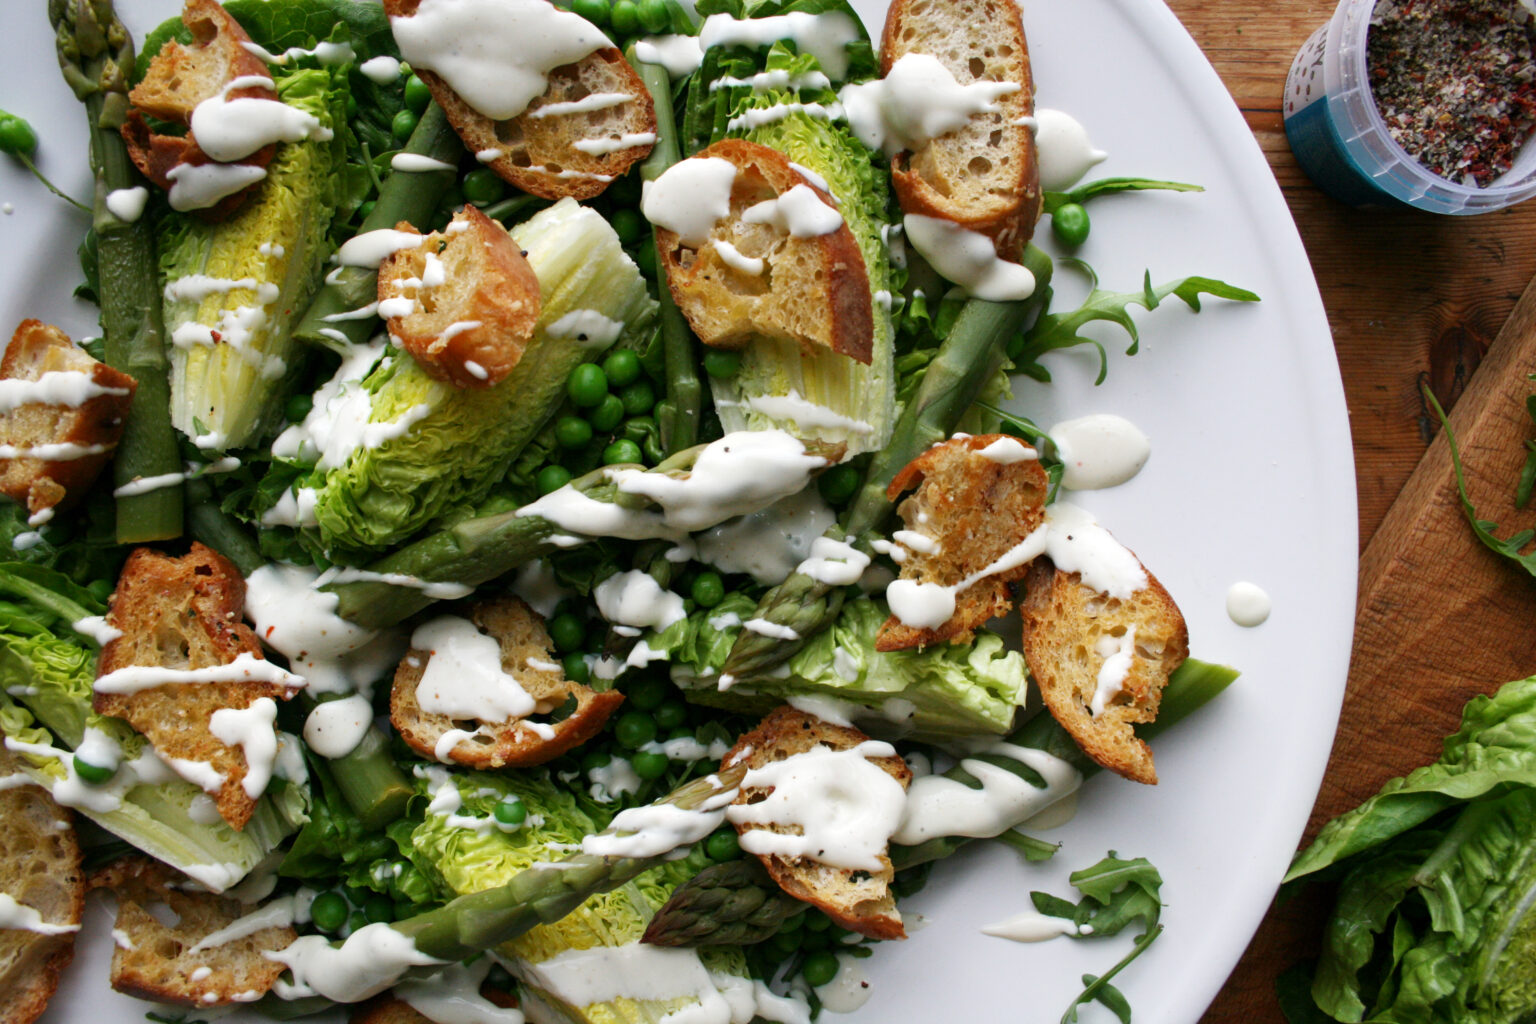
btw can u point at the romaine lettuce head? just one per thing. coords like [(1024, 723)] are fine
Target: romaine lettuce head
[(233, 347), (455, 443), (44, 663)]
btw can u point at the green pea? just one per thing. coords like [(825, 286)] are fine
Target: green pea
[(645, 259), (379, 909), (817, 922), (357, 921), (670, 714), (366, 210), (94, 774), (638, 428), (784, 944), (567, 632), (635, 729), (653, 14), (101, 590), (607, 414), (638, 398), (791, 924), (587, 385), (625, 17), (623, 450), (819, 969), (572, 431), (628, 224), (648, 693), (650, 764), (16, 136), (722, 845), (576, 668), (329, 911), (552, 478), (595, 759), (417, 95), (297, 407), (595, 11), (510, 811), (483, 186), (838, 484), (1070, 224), (622, 367), (722, 363), (708, 589), (404, 124)]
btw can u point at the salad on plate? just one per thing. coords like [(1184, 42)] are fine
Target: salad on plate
[(533, 537)]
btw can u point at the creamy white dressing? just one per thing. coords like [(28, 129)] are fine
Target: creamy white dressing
[(679, 54), (1118, 653), (496, 54), (61, 451), (967, 258), (587, 104), (294, 617), (463, 677), (1079, 544), (1099, 451), (732, 257), (381, 70), (845, 806), (1064, 151), (14, 915), (690, 197), (656, 829), (825, 36), (127, 204), (326, 52), (613, 780), (918, 100), (416, 163), (756, 117), (923, 605), (438, 591), (246, 668), (939, 806), (602, 147), (836, 563), (794, 408), (199, 186), (68, 388), (370, 960), (371, 248), (849, 988), (232, 129), (1033, 926), (253, 730), (282, 912), (828, 709), (800, 212), (769, 543), (536, 584), (634, 598), (586, 325), (779, 79), (1006, 451), (452, 996), (1247, 604)]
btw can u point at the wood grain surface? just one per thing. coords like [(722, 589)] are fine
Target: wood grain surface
[(1411, 299)]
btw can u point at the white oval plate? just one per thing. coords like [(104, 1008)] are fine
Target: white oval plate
[(1251, 478)]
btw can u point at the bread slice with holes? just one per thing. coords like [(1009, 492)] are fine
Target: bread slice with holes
[(860, 901), (93, 427), (554, 149), (185, 614), (160, 924), (1071, 631), (527, 655), (471, 329), (39, 868), (811, 290), (971, 507), (985, 176)]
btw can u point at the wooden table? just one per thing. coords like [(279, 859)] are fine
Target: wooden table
[(1410, 298)]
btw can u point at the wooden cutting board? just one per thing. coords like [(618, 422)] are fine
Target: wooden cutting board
[(1439, 619)]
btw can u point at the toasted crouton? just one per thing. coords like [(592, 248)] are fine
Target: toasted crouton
[(811, 290), (553, 149), (526, 655), (180, 77), (162, 962), (76, 440), (1071, 630), (184, 614), (474, 301), (40, 869), (972, 509), (983, 177), (860, 901)]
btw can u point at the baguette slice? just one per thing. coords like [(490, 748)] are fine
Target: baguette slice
[(983, 177), (974, 510), (160, 962), (184, 613), (471, 329), (861, 904), (525, 649), (95, 426), (39, 868), (1070, 630), (539, 153), (814, 291)]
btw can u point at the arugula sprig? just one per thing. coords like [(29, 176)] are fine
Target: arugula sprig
[(1052, 201), (1116, 893), (1483, 529)]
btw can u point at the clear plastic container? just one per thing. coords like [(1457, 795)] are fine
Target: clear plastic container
[(1341, 141)]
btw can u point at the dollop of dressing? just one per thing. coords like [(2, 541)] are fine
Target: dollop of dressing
[(689, 197), (1064, 151), (1099, 451), (634, 598), (768, 544), (297, 619), (968, 258), (939, 806), (335, 728), (1247, 604), (463, 677), (917, 100)]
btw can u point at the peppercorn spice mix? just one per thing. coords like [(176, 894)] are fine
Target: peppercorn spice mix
[(1455, 81)]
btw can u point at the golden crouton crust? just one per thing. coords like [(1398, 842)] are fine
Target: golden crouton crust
[(522, 636), (157, 962), (1063, 620), (184, 613), (35, 349), (863, 905), (976, 510), (817, 289), (39, 868), (489, 282)]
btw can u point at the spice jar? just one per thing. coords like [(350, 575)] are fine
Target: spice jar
[(1342, 141)]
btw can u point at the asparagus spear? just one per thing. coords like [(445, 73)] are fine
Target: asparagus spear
[(96, 55), (404, 196), (739, 907), (974, 350)]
